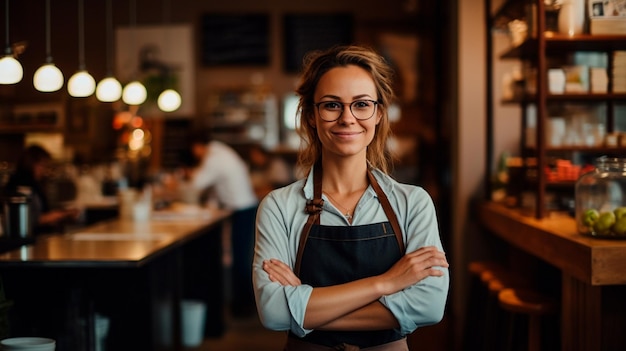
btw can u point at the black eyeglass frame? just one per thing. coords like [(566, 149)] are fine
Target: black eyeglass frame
[(343, 104)]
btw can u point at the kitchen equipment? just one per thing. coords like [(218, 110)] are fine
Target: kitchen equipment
[(17, 216)]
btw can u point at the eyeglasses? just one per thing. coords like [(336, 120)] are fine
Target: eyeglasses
[(330, 111)]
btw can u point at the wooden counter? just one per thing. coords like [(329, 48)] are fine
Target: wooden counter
[(135, 273), (115, 243), (593, 273), (555, 240)]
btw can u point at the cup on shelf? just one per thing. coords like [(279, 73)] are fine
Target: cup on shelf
[(555, 131), (556, 80)]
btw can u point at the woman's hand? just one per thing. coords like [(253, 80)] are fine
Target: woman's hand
[(58, 216), (279, 272), (412, 268)]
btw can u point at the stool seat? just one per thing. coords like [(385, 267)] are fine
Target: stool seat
[(476, 268), (525, 301), (531, 304), (504, 281)]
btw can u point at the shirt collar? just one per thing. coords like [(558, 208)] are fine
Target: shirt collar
[(383, 180)]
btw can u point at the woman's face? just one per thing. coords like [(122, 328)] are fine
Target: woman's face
[(41, 169), (347, 136)]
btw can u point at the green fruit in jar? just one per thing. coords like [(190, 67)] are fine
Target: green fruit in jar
[(590, 217), (620, 212), (619, 228), (604, 223)]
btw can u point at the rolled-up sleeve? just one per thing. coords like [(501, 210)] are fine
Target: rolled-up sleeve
[(423, 303), (280, 307)]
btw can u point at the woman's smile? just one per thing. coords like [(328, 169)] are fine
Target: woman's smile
[(347, 135)]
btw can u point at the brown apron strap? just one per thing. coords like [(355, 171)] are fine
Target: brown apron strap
[(384, 201), (313, 208)]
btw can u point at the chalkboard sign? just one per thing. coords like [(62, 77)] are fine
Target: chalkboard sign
[(307, 32), (235, 39)]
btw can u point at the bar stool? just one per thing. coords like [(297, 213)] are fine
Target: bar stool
[(520, 301), (496, 281), (480, 302)]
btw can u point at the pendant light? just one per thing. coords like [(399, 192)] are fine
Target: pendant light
[(134, 93), (11, 71), (169, 100), (109, 89), (48, 77), (81, 84)]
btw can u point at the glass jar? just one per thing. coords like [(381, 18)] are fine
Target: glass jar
[(601, 199)]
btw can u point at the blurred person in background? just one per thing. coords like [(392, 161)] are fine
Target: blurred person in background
[(217, 167), (29, 178), (267, 171)]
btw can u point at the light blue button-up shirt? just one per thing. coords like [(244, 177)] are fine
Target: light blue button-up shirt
[(280, 220)]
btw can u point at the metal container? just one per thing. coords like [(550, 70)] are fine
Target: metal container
[(17, 217)]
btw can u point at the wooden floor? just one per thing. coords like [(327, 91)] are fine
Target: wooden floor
[(244, 334), (247, 334)]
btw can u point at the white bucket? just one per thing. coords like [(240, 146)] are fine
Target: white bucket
[(101, 331), (193, 317)]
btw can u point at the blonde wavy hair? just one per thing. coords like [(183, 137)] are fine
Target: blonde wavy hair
[(316, 64)]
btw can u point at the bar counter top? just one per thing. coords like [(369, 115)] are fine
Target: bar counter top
[(556, 240), (592, 274), (135, 272), (113, 243)]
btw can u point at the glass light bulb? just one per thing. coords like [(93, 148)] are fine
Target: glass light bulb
[(48, 78), (134, 93), (11, 70), (81, 84), (169, 100), (109, 90)]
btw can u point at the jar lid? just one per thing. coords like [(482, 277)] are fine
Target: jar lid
[(16, 198)]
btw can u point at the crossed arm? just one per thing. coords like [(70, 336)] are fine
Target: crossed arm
[(355, 305)]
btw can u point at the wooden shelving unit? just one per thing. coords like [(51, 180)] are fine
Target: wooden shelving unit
[(537, 52)]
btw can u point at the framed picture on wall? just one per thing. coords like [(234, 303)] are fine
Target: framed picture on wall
[(161, 57), (307, 32), (235, 39)]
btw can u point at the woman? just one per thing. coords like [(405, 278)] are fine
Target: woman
[(29, 177), (347, 258)]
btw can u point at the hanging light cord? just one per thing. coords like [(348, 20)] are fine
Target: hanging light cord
[(6, 22), (48, 46), (133, 20), (81, 36), (109, 30)]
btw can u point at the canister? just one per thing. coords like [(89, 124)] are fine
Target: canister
[(17, 216)]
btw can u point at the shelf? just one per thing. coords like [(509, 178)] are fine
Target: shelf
[(557, 43), (538, 53), (244, 115), (36, 117), (510, 10), (588, 149), (586, 97), (584, 149)]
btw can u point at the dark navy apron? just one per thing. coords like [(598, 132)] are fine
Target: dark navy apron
[(331, 255)]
